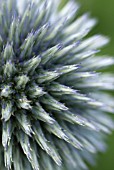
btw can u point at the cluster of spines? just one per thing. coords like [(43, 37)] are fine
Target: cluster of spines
[(50, 88)]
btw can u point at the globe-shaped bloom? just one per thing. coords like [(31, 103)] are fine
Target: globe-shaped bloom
[(53, 96)]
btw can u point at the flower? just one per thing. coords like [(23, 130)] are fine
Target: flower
[(52, 94)]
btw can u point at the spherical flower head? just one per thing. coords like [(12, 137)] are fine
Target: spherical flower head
[(53, 98)]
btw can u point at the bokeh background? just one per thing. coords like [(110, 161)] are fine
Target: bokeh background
[(103, 10)]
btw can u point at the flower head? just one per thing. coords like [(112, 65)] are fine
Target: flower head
[(52, 97)]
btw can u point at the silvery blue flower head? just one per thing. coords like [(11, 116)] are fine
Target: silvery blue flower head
[(53, 95)]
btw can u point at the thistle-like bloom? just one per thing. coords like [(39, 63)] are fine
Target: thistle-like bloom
[(52, 97)]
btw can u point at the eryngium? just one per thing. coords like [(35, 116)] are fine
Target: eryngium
[(52, 96)]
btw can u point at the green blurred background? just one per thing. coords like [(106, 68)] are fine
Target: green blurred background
[(103, 10)]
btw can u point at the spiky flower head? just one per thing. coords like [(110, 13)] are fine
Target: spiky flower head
[(52, 96)]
